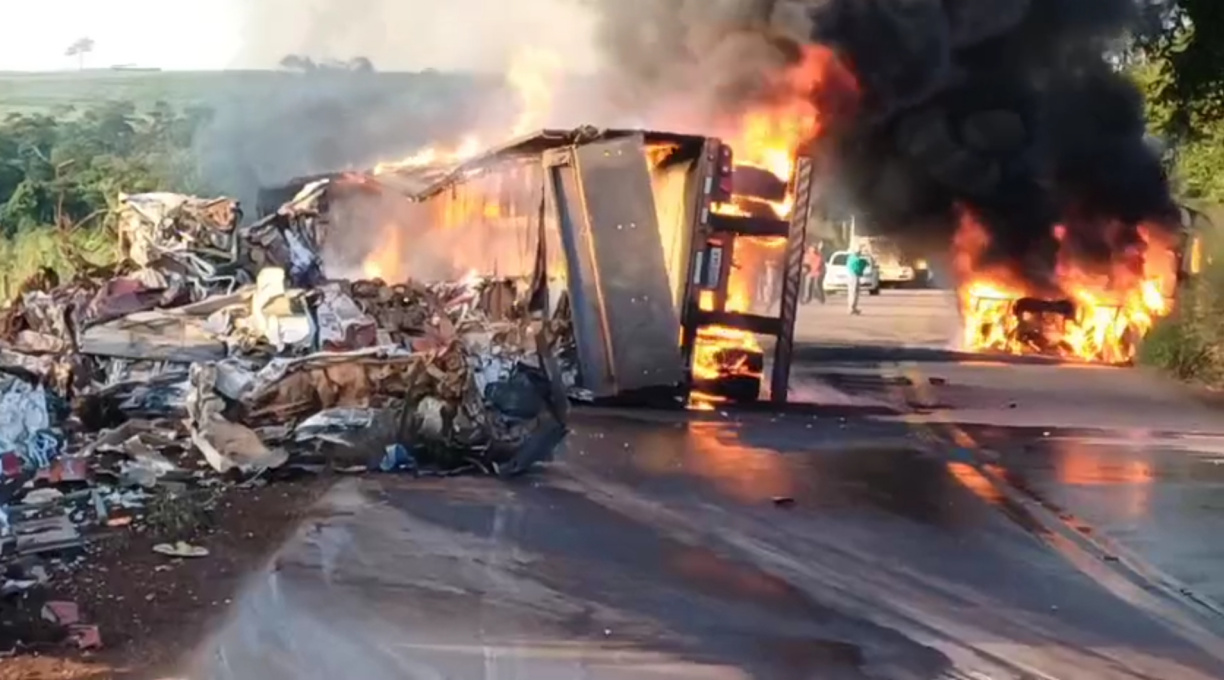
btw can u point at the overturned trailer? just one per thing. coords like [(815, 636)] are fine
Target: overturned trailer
[(615, 228)]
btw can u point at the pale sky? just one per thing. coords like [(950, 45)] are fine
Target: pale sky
[(218, 34), (171, 34)]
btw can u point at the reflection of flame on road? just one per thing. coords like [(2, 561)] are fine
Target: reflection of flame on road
[(713, 451), (705, 568), (1080, 464), (976, 482), (1092, 311)]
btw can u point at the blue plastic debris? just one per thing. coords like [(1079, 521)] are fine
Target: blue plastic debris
[(396, 457)]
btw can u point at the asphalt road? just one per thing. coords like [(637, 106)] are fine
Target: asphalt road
[(929, 515)]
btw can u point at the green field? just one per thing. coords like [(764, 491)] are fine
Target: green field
[(60, 91)]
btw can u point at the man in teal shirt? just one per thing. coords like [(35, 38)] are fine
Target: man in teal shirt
[(856, 266)]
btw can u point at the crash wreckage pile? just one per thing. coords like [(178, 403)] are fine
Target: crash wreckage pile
[(217, 353)]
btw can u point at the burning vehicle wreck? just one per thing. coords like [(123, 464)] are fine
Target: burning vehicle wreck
[(1095, 310), (549, 217)]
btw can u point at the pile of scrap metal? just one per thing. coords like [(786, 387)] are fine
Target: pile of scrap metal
[(190, 362)]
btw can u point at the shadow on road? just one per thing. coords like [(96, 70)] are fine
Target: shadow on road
[(824, 353)]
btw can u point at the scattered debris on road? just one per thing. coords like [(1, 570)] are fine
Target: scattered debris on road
[(215, 359)]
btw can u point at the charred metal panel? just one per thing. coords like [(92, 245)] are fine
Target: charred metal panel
[(556, 264), (590, 329), (703, 189), (633, 294)]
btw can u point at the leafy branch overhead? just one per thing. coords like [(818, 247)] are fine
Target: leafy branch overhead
[(1176, 61), (1187, 36)]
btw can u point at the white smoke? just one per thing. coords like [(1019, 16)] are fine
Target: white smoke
[(413, 35), (294, 124)]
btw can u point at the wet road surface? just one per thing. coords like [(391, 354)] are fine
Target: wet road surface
[(938, 516)]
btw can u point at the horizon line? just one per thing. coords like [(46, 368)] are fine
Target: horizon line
[(156, 69)]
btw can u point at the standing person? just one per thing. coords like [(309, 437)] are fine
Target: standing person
[(816, 272), (856, 266)]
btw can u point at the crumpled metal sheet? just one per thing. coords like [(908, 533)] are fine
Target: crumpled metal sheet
[(258, 372), (152, 224), (342, 325), (401, 310), (287, 238), (28, 427), (335, 424), (288, 389), (191, 242), (226, 445), (121, 296), (166, 335)]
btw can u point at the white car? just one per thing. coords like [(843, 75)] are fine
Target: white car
[(837, 277)]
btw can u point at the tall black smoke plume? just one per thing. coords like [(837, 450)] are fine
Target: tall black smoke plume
[(1008, 107)]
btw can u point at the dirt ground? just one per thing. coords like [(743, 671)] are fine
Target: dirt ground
[(148, 608)]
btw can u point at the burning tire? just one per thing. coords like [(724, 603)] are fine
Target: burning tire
[(728, 372), (739, 389)]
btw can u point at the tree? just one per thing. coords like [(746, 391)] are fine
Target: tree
[(79, 49), (304, 64), (298, 62), (1187, 37), (1190, 135)]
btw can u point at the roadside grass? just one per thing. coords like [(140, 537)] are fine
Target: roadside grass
[(1189, 343)]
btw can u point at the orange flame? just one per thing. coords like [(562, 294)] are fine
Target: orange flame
[(807, 100), (533, 75), (1106, 308)]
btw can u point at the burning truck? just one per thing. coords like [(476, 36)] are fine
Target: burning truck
[(642, 248), (639, 248)]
